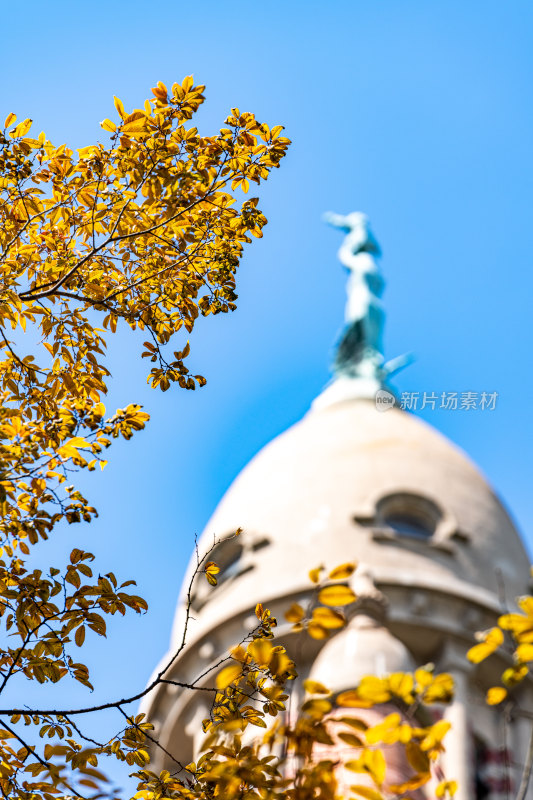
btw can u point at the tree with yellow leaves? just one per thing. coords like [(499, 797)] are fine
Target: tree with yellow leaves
[(145, 229)]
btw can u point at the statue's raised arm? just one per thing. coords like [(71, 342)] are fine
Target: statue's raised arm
[(336, 220), (359, 239)]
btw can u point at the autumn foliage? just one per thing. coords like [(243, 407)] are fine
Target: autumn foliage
[(145, 231)]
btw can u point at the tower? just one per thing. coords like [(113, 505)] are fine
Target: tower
[(360, 479)]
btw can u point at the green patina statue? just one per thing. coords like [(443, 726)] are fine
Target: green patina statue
[(359, 353)]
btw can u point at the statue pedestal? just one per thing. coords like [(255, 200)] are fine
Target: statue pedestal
[(344, 389)]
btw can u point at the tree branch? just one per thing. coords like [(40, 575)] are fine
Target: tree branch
[(157, 680)]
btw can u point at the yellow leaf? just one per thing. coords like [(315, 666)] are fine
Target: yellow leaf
[(160, 92), (317, 707), (418, 759), (280, 663), (336, 595), (514, 675), (10, 119), (423, 677), (87, 152), (386, 732), (372, 762), (228, 675), (317, 631), (350, 738), (410, 785), (401, 684), (107, 125), (516, 623), (440, 689), (524, 652), (119, 106), (135, 127), (314, 687), (491, 641), (352, 699), (256, 720), (374, 689), (79, 637), (77, 441), (239, 654), (376, 765), (295, 613), (261, 651), (435, 735), (495, 695), (21, 129), (526, 604), (314, 574), (446, 788), (342, 571), (135, 115), (328, 618)]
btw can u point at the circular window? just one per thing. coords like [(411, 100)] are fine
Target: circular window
[(408, 515)]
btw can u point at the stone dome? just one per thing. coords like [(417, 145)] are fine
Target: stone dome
[(349, 482)]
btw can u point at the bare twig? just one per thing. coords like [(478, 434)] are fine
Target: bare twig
[(158, 678)]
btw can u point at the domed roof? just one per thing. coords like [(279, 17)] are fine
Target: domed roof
[(349, 482)]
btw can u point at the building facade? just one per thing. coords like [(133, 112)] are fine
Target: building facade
[(359, 479)]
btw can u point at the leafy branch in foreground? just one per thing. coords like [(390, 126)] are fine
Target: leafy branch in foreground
[(316, 751), (145, 229)]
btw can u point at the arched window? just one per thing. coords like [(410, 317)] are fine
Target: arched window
[(415, 518), (406, 514)]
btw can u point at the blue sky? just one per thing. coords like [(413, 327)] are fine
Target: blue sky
[(419, 114)]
